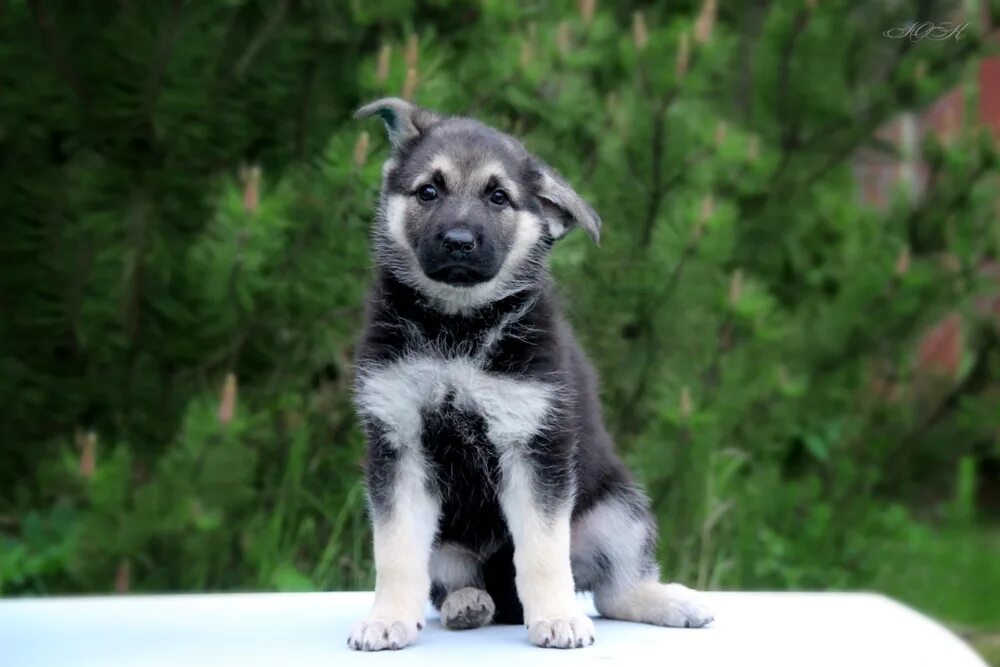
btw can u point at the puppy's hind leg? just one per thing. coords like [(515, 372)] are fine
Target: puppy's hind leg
[(613, 555), (649, 601), (457, 588), (467, 608)]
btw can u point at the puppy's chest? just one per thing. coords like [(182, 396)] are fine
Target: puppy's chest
[(464, 468), (455, 444), (455, 399)]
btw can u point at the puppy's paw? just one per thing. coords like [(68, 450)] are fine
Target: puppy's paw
[(574, 632), (681, 607), (380, 634), (467, 608)]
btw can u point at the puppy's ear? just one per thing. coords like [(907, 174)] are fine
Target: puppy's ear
[(562, 208), (404, 122)]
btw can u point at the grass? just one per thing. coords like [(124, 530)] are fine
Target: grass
[(953, 575), (988, 646)]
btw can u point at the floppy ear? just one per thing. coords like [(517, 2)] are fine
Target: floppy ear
[(562, 208), (404, 122)]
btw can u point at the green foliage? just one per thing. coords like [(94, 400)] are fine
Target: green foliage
[(186, 198), (937, 573)]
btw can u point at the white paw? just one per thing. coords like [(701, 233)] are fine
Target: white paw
[(575, 632), (379, 634), (682, 609), (467, 608)]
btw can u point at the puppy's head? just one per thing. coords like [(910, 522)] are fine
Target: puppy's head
[(467, 213)]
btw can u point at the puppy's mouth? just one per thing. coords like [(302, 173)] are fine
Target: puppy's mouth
[(459, 275)]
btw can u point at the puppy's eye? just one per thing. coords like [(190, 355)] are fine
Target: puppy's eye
[(499, 197), (427, 192)]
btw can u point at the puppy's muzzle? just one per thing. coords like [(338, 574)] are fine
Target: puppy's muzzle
[(457, 257)]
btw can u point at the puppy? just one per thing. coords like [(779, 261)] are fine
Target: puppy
[(493, 484)]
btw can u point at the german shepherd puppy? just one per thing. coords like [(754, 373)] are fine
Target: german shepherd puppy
[(493, 484)]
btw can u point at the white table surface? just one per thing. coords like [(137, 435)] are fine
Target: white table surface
[(772, 629)]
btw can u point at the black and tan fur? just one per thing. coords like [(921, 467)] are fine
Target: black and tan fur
[(494, 487)]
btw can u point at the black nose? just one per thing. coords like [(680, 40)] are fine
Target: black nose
[(459, 241)]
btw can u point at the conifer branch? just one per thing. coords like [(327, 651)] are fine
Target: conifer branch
[(783, 89), (43, 21), (262, 38), (161, 59)]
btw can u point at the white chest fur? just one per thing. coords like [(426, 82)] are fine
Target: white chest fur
[(397, 395)]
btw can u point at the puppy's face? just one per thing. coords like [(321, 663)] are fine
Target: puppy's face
[(461, 201), (467, 214)]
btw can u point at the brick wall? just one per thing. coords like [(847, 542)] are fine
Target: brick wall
[(880, 173)]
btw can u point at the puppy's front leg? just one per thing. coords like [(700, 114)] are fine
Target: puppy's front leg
[(405, 520), (539, 522)]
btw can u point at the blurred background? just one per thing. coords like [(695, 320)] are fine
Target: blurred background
[(795, 308)]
